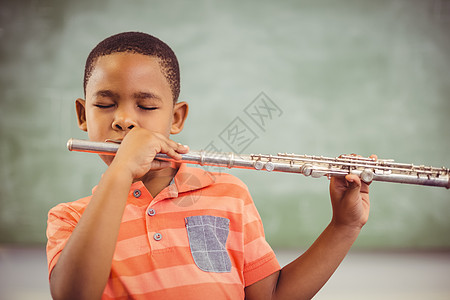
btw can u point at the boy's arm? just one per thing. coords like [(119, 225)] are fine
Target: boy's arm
[(305, 276), (83, 268), (84, 265)]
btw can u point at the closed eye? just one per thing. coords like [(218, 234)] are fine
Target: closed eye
[(104, 105), (147, 107)]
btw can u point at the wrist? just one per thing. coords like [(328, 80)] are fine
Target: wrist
[(120, 171), (348, 230)]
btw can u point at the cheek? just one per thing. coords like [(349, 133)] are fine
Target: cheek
[(96, 124), (168, 126), (161, 123)]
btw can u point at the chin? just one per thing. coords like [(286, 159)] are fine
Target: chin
[(107, 159)]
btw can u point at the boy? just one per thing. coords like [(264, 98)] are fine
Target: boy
[(149, 231)]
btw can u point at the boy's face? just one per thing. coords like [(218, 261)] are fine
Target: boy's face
[(128, 90)]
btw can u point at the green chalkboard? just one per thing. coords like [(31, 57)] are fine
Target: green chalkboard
[(341, 76)]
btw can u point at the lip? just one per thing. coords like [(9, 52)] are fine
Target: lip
[(116, 141)]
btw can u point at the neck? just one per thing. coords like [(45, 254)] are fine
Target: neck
[(155, 181)]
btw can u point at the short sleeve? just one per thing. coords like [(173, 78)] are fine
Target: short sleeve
[(259, 258), (62, 220)]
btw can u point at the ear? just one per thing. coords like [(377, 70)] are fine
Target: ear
[(180, 112), (80, 106)]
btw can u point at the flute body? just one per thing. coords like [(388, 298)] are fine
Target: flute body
[(367, 169)]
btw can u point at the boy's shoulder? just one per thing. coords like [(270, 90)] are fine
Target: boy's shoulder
[(77, 205), (69, 211)]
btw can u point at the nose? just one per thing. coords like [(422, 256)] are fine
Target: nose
[(124, 120)]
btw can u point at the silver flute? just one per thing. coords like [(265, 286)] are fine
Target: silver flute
[(368, 169)]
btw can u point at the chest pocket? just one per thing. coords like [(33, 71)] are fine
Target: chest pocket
[(207, 239)]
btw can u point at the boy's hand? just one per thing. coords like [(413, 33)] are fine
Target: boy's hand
[(139, 147), (350, 201)]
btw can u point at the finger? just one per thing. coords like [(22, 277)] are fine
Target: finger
[(365, 187), (160, 164), (173, 149), (353, 179), (354, 185), (338, 187), (172, 144), (182, 148), (338, 182), (178, 147)]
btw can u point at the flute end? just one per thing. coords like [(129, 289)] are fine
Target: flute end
[(70, 144)]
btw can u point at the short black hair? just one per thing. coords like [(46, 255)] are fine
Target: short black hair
[(140, 43)]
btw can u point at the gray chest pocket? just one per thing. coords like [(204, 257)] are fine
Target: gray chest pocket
[(207, 239)]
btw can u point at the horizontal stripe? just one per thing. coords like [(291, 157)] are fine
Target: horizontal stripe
[(131, 229), (191, 292), (255, 250), (136, 245), (64, 214), (165, 259), (145, 243), (133, 212), (76, 208), (198, 291), (169, 278), (253, 231), (250, 214), (179, 238), (201, 201), (177, 220)]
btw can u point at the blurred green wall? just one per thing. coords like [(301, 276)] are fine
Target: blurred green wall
[(341, 77)]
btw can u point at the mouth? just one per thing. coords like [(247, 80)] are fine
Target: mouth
[(113, 141)]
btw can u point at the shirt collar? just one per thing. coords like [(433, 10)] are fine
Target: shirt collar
[(189, 178)]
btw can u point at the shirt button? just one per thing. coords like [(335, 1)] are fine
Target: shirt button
[(151, 212), (157, 236), (136, 193)]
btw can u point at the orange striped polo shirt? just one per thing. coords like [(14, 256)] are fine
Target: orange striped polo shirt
[(199, 238)]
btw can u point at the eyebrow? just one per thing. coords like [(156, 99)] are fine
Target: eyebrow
[(107, 94), (138, 95), (146, 95)]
